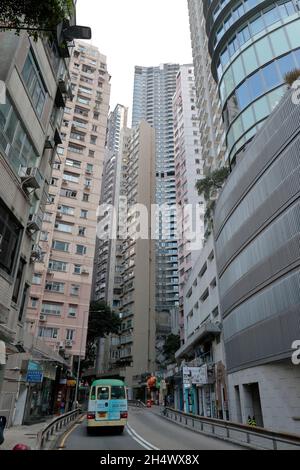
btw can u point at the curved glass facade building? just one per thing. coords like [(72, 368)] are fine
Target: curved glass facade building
[(253, 44), (257, 233)]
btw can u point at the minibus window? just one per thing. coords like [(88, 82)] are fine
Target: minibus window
[(118, 393), (103, 393), (93, 393)]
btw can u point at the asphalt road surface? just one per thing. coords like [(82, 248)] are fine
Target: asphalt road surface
[(146, 430)]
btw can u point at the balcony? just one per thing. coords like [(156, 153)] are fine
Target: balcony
[(208, 331)]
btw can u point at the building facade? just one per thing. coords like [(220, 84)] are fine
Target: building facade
[(34, 85), (203, 346), (59, 301), (252, 46), (212, 130), (154, 88), (257, 245), (189, 166), (106, 284)]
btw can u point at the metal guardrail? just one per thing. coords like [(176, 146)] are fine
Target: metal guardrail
[(55, 426), (136, 403), (255, 437)]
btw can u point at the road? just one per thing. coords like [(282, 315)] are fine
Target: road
[(146, 430)]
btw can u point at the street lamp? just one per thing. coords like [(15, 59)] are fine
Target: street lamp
[(79, 362)]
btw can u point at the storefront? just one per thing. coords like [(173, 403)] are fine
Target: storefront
[(40, 384)]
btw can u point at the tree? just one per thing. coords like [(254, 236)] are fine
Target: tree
[(35, 16), (209, 187), (172, 344), (102, 322)]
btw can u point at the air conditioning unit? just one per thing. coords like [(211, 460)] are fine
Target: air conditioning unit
[(31, 177), (43, 318), (36, 253), (35, 223), (68, 343), (65, 182), (85, 272), (59, 215)]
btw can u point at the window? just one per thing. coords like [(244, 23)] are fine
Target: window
[(118, 393), (51, 333), (72, 177), (95, 128), (75, 148), (103, 393), (77, 268), (87, 183), (18, 281), (59, 266), (89, 168), (205, 295), (67, 210), (35, 85), (81, 250), (81, 231), (93, 139), (96, 115), (85, 197), (51, 308), (34, 302), (60, 150), (70, 335), (73, 163), (55, 287), (91, 153), (83, 100), (10, 234), (68, 193), (75, 288), (54, 181), (63, 227), (84, 214), (37, 279), (72, 311)]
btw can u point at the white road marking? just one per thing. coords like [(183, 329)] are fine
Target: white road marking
[(139, 439)]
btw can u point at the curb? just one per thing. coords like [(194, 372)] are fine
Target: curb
[(55, 444)]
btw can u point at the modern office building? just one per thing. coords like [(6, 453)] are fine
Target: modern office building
[(252, 45), (189, 166), (59, 301), (106, 284), (34, 86), (154, 88), (212, 130), (257, 246)]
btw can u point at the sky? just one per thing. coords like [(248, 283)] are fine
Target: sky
[(136, 32)]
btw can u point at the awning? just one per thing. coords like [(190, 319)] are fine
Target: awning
[(208, 330), (2, 353)]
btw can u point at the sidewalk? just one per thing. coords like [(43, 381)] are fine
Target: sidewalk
[(23, 435)]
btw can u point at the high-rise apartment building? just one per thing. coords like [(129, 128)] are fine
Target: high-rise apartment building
[(34, 85), (132, 353), (60, 296), (106, 285), (188, 170), (208, 103), (154, 88), (252, 46)]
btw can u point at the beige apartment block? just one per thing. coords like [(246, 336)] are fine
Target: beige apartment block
[(60, 296)]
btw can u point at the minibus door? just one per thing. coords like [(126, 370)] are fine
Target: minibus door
[(102, 403)]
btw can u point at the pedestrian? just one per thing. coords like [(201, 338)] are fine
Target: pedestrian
[(2, 427), (62, 407), (253, 421), (249, 421)]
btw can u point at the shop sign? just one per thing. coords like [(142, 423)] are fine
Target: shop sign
[(194, 376), (34, 376)]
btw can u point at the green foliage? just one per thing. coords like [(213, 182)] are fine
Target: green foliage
[(292, 76), (172, 344), (209, 187), (34, 14), (102, 322)]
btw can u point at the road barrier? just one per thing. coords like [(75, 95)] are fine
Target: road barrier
[(136, 403), (58, 425), (249, 436)]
